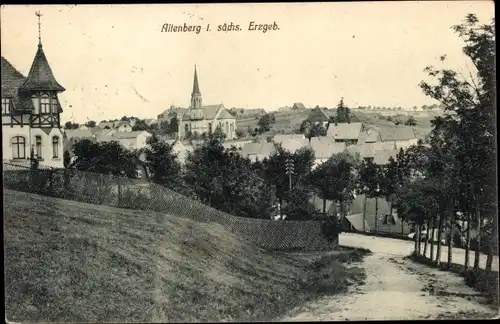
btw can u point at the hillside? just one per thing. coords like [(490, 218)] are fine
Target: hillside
[(74, 262), (289, 121)]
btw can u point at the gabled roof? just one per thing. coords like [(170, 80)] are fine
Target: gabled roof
[(122, 122), (208, 112), (397, 133), (406, 143), (260, 149), (127, 135), (382, 157), (224, 114), (280, 138), (293, 145), (12, 79), (78, 133), (325, 147), (370, 149), (299, 105), (345, 131), (369, 136), (41, 76)]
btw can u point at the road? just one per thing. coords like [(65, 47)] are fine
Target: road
[(396, 289), (403, 248)]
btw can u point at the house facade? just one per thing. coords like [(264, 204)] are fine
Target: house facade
[(31, 113), (199, 119), (348, 133), (129, 140)]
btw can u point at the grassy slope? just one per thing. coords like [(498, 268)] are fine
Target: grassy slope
[(292, 120), (70, 261)]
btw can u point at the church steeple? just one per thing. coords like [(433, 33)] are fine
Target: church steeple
[(196, 94), (40, 77)]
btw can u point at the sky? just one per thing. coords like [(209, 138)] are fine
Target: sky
[(114, 60)]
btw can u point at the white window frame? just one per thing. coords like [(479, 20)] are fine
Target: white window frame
[(45, 106), (6, 106), (38, 147), (55, 147), (17, 153)]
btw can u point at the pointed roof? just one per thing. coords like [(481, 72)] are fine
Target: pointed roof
[(12, 79), (41, 76), (196, 87)]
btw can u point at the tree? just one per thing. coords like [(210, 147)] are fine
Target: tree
[(174, 126), (90, 124), (162, 164), (369, 184), (66, 159), (265, 123), (105, 158), (334, 179), (71, 125), (140, 125), (471, 124), (225, 180), (274, 170), (343, 112), (411, 121)]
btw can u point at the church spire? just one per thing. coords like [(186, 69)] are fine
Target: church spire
[(196, 87), (196, 94)]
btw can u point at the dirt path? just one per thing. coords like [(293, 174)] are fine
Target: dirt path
[(398, 289)]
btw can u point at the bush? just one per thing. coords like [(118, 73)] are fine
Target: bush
[(331, 228)]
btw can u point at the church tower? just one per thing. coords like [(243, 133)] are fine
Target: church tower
[(196, 94)]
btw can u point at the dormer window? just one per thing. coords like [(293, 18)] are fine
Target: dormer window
[(45, 105), (5, 106)]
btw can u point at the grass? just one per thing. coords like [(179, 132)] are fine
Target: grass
[(68, 261), (483, 281), (289, 121)]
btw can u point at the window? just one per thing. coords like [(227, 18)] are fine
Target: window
[(210, 128), (227, 127), (54, 105), (38, 147), (186, 129), (45, 105), (55, 147), (18, 147), (5, 106)]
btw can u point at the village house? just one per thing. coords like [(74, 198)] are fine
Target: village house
[(382, 157), (324, 148), (369, 150), (369, 136), (199, 119), (170, 113), (236, 143), (129, 140), (298, 106), (258, 151), (31, 113), (321, 115), (347, 133), (119, 125), (403, 137), (291, 142)]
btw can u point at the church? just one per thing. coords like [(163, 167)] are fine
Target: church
[(199, 119), (31, 112)]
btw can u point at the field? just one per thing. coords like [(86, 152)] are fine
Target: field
[(287, 122), (68, 261)]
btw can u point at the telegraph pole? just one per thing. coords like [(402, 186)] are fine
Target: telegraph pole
[(289, 171)]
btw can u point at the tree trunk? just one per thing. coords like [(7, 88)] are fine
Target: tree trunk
[(450, 242), (433, 235), (402, 227), (376, 214), (492, 248), (438, 250), (467, 243), (427, 237), (415, 249), (364, 214), (324, 207), (419, 233), (478, 239)]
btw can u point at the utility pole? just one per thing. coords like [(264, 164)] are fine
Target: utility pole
[(376, 207), (289, 171)]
